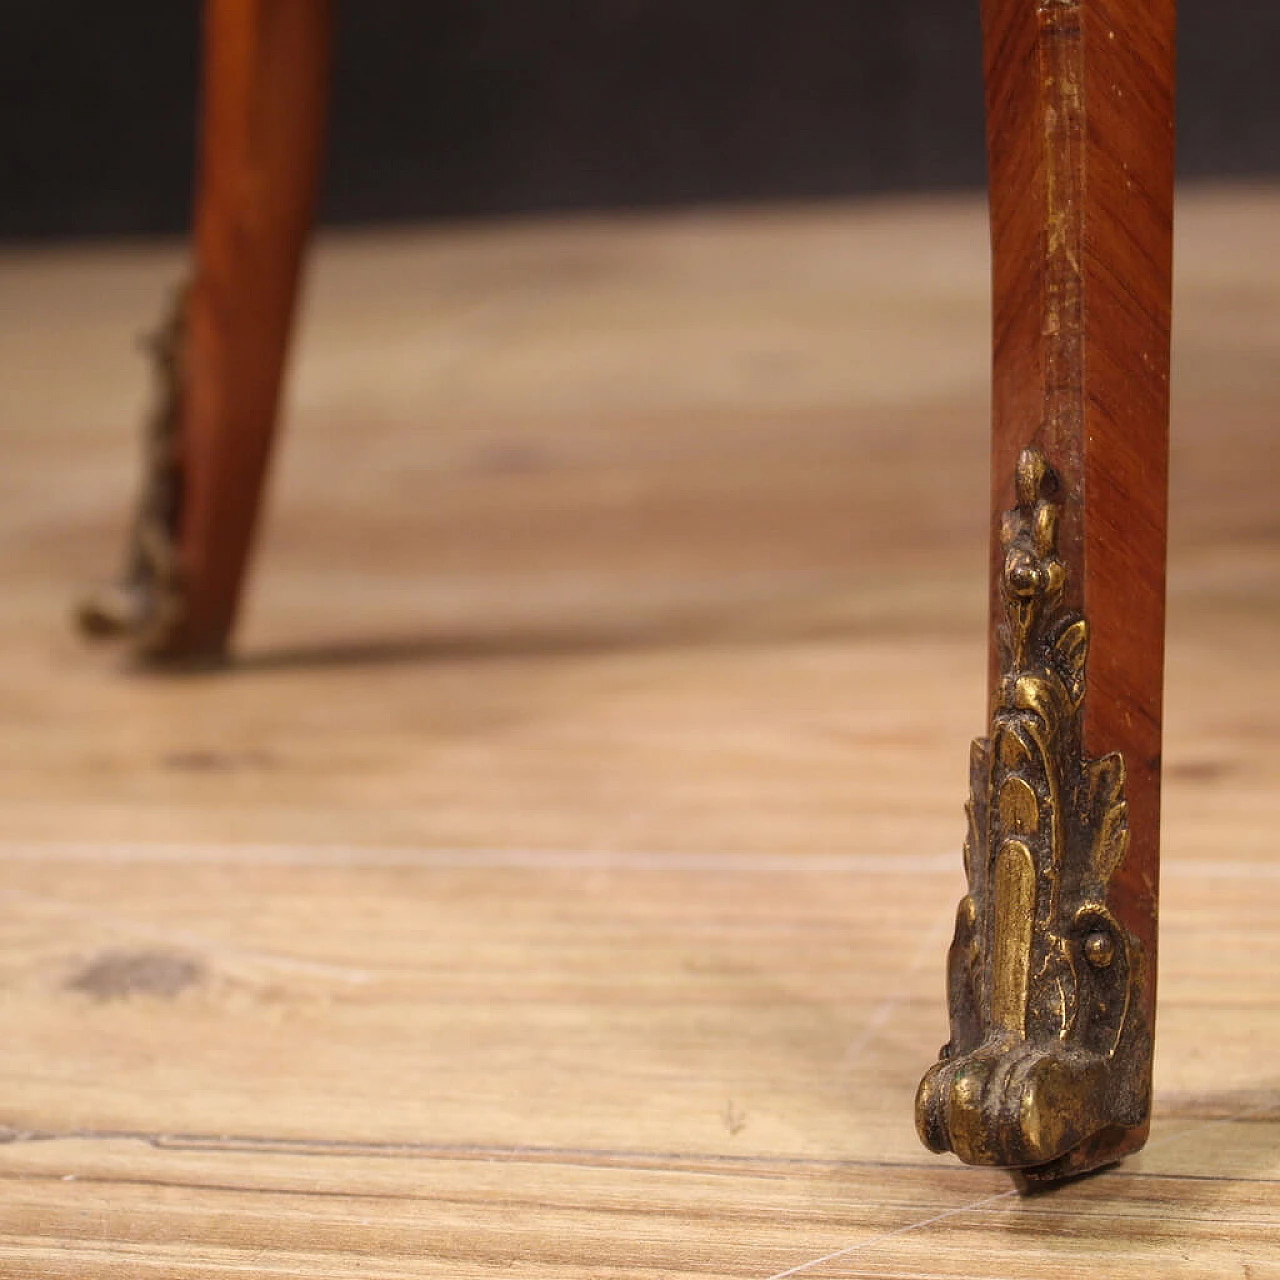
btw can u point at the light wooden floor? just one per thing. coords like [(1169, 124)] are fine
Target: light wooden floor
[(560, 887)]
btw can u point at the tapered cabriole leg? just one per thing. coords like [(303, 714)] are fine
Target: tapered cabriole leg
[(1052, 974), (221, 355)]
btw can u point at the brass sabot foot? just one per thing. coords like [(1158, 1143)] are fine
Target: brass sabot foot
[(1013, 1107), (144, 614)]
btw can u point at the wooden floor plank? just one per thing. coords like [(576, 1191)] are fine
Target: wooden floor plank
[(561, 885)]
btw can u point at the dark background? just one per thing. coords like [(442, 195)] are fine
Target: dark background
[(452, 108)]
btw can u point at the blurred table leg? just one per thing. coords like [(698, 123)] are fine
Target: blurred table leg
[(265, 90)]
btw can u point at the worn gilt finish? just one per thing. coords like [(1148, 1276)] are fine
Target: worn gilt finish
[(146, 605), (1049, 1052)]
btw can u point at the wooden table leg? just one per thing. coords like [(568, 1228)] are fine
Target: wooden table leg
[(1053, 969), (222, 356)]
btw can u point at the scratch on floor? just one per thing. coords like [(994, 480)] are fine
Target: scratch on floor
[(872, 1241), (440, 858), (1249, 1113), (1012, 1194), (929, 949)]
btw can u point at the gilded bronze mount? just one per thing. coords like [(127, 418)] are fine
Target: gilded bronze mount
[(147, 605), (1049, 1057)]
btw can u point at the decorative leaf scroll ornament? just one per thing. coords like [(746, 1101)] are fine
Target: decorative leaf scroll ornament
[(1048, 1053), (148, 604)]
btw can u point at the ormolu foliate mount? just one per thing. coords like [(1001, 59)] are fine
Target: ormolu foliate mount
[(1050, 1054), (146, 605)]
